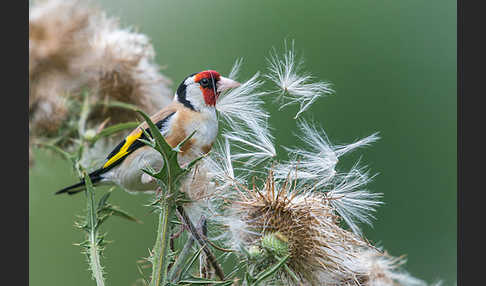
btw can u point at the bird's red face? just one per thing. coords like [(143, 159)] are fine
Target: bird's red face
[(202, 89), (208, 84)]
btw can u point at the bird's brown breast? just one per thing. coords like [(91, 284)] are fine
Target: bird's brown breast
[(178, 129), (186, 117)]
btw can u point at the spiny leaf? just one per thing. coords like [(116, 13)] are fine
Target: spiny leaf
[(179, 146), (162, 145), (171, 169), (149, 172)]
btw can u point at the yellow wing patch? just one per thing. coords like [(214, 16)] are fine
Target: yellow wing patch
[(123, 150)]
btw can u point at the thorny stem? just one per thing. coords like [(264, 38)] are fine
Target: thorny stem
[(94, 251), (169, 176), (197, 235), (95, 264), (160, 259)]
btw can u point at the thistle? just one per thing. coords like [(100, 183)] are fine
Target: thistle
[(278, 219), (306, 223), (284, 222)]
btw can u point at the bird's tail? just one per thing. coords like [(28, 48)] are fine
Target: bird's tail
[(79, 187)]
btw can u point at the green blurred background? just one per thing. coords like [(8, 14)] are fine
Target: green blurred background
[(393, 66)]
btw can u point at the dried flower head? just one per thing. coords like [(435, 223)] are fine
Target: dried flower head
[(58, 32), (235, 69), (75, 49), (305, 220), (49, 109), (125, 71), (279, 219), (295, 86)]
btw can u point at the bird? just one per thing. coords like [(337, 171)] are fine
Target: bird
[(192, 109)]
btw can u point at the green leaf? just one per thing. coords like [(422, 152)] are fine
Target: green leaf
[(162, 145), (92, 213), (147, 142), (114, 129), (114, 210), (190, 262), (179, 146), (106, 210), (56, 149), (171, 172), (120, 104), (270, 271), (103, 200), (149, 172), (292, 274), (202, 281)]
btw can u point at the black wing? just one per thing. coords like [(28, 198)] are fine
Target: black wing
[(121, 151)]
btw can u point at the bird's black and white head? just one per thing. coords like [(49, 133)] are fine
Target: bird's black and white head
[(200, 91)]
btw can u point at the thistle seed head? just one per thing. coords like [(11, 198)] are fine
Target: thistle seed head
[(305, 222), (75, 49)]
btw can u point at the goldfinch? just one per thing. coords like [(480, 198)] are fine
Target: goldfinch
[(193, 109)]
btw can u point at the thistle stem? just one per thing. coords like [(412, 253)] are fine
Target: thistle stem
[(95, 264), (160, 261), (94, 250)]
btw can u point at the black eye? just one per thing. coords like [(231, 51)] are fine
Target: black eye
[(204, 82)]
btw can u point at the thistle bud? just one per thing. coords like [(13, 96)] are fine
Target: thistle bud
[(254, 252), (89, 134), (276, 243)]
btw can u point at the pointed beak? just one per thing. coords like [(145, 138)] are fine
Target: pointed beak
[(226, 83)]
